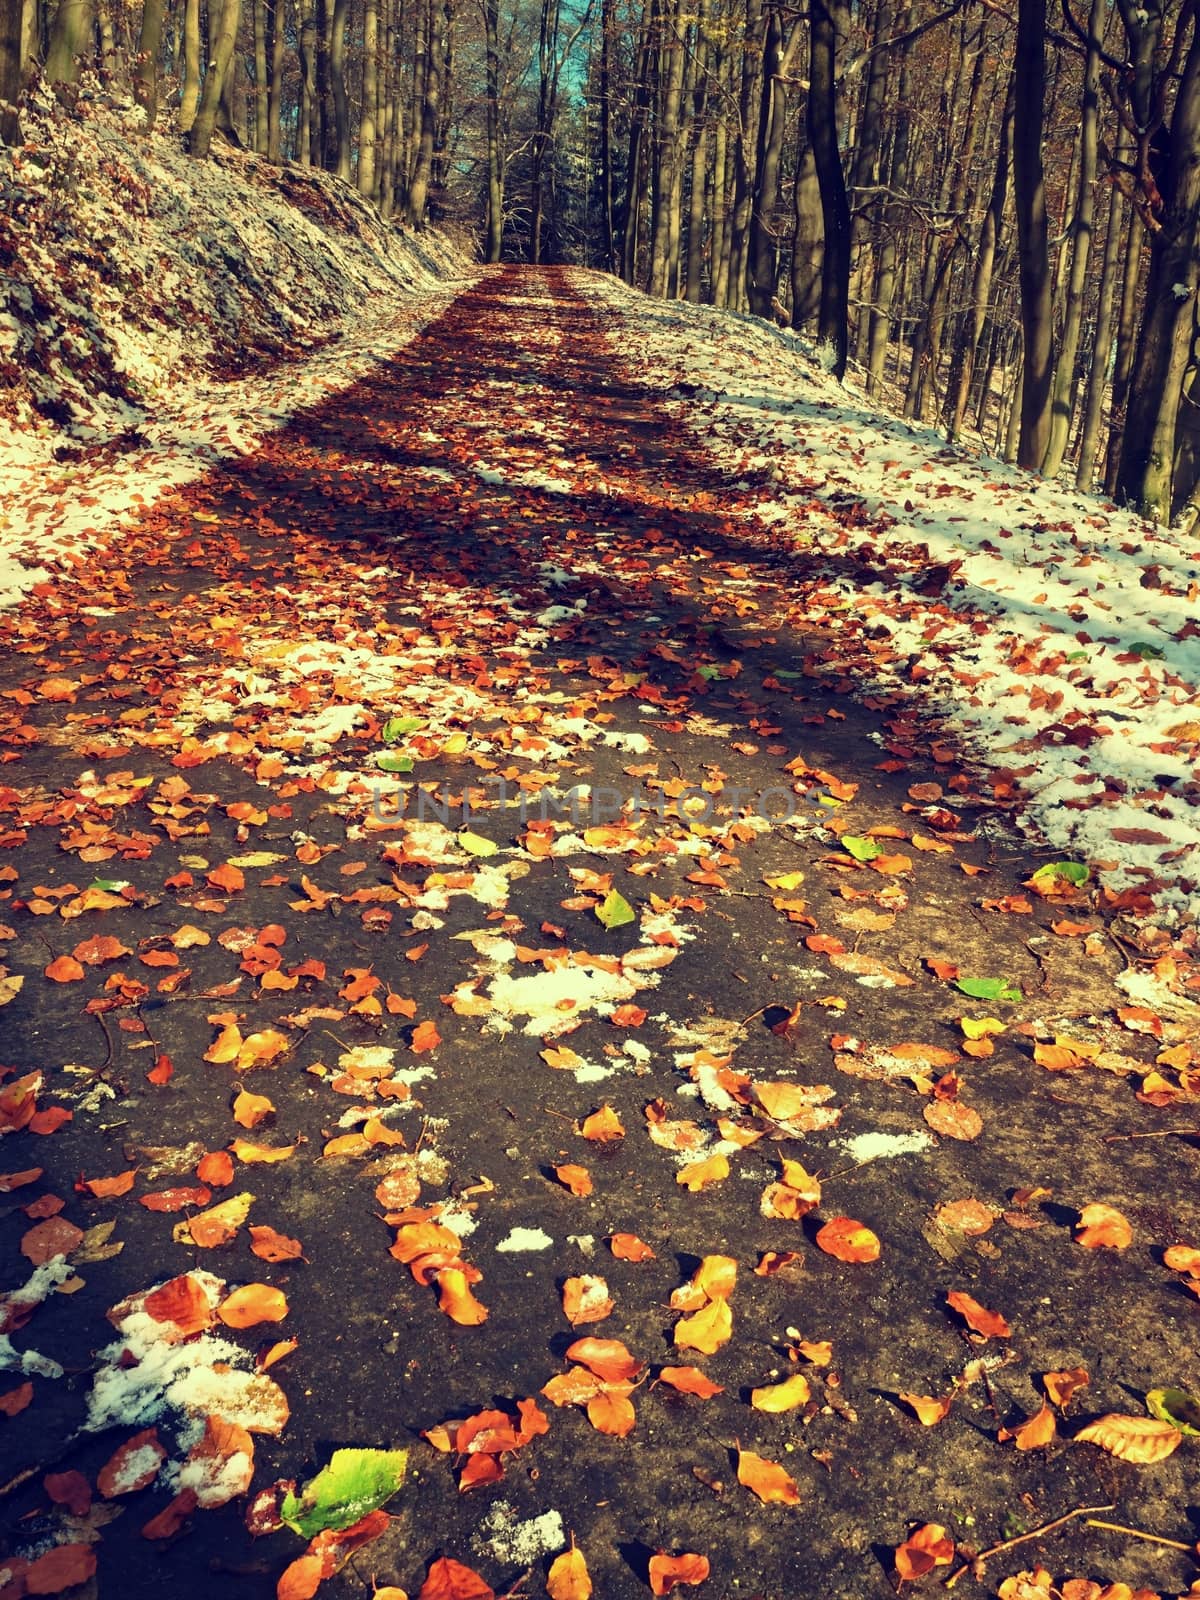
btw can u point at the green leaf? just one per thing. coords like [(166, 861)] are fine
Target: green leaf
[(396, 727), (615, 911), (387, 763), (1148, 652), (1073, 871), (709, 673), (988, 988), (354, 1483), (1077, 655), (476, 845), (861, 849), (1176, 1406), (109, 885)]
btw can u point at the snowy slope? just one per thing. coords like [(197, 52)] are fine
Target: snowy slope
[(157, 311), (1055, 635)]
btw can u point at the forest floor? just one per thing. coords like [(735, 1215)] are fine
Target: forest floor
[(783, 1062)]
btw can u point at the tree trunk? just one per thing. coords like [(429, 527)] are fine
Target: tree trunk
[(694, 271), (368, 125), (1030, 190), (868, 147), (70, 39), (1146, 473), (1089, 433), (11, 31), (418, 189), (808, 241), (744, 148), (883, 289), (308, 149), (1081, 229), (772, 126), (495, 192), (276, 40), (671, 61), (607, 234), (337, 78), (981, 283), (215, 79), (718, 292), (259, 20), (833, 326)]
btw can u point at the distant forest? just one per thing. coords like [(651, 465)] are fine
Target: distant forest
[(991, 208)]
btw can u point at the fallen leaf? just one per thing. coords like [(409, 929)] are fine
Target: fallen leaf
[(922, 1551), (131, 1467), (1101, 1227), (689, 1380), (666, 1571), (450, 1580), (767, 1479), (252, 1304), (567, 1579), (978, 1318), (780, 1397), (1141, 1440), (929, 1409), (577, 1179), (602, 1125), (628, 1247), (847, 1240)]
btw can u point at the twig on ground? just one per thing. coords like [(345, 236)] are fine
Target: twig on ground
[(1136, 1533), (1022, 1538), (1153, 1133)]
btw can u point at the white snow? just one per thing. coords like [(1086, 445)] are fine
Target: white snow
[(1059, 641), (521, 1239), (876, 1146)]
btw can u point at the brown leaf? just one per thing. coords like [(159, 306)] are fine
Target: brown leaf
[(268, 1245), (64, 1567), (953, 1120), (133, 1466), (1035, 1433)]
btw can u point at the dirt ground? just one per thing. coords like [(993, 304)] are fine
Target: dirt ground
[(503, 541)]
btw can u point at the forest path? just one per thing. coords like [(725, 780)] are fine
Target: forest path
[(495, 570)]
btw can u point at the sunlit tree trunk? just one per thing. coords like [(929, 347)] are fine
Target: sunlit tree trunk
[(70, 41), (833, 323), (1033, 245), (11, 33), (216, 78)]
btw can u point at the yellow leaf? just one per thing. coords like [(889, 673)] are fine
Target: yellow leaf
[(707, 1330), (266, 1153), (568, 1578), (701, 1174), (785, 1396), (980, 1027)]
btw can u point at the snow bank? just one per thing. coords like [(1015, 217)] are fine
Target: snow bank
[(157, 313), (1054, 635)]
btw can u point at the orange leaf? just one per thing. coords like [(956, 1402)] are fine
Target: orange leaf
[(251, 1304), (568, 1577), (64, 1567), (847, 1240), (767, 1479), (14, 1401), (953, 1120), (1035, 1433), (1060, 1386), (603, 1125), (216, 1168), (251, 1109), (666, 1571), (268, 1154), (706, 1330), (301, 1579), (1102, 1228), (608, 1359), (930, 1410), (425, 1037), (628, 1247), (612, 1413), (989, 1323), (689, 1380), (133, 1466), (456, 1300), (702, 1174), (64, 970), (183, 1303), (109, 1188), (268, 1245), (924, 1550), (450, 1580), (228, 878), (577, 1179), (586, 1299), (1181, 1258), (277, 1352)]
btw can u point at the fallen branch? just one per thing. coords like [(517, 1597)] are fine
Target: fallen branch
[(1136, 1533), (1022, 1538)]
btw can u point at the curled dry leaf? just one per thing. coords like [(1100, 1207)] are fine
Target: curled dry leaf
[(456, 1300), (929, 1410), (1140, 1440), (767, 1479), (1182, 1258), (848, 1240), (608, 1359), (667, 1571), (922, 1551), (1060, 1386), (1103, 1228), (978, 1318), (1035, 1433)]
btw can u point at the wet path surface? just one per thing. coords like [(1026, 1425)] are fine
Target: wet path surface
[(386, 807)]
